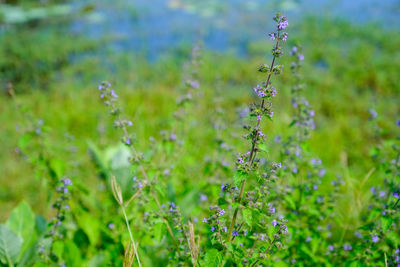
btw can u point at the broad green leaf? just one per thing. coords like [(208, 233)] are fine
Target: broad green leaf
[(30, 256), (10, 245), (91, 226), (72, 254), (386, 222), (213, 258), (22, 221)]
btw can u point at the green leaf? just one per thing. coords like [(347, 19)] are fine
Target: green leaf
[(72, 255), (90, 226), (30, 256), (213, 258), (58, 166), (386, 222), (239, 176), (22, 221), (248, 216), (10, 245), (159, 230), (24, 141)]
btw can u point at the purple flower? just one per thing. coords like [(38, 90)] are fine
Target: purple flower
[(358, 234), (294, 50), (194, 84), (272, 36), (240, 160), (301, 57), (347, 247), (258, 117), (221, 212), (373, 113), (128, 141), (203, 197), (111, 226), (373, 190), (205, 220), (382, 194), (235, 233), (113, 94), (271, 208), (241, 245), (224, 229), (322, 172), (294, 170), (396, 195), (67, 207), (312, 113), (274, 223), (308, 239), (284, 37), (67, 181), (375, 239), (331, 248), (212, 228), (223, 187), (398, 123), (283, 23)]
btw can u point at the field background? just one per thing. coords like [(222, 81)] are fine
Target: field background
[(55, 55)]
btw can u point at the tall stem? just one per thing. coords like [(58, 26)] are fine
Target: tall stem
[(130, 235), (253, 150)]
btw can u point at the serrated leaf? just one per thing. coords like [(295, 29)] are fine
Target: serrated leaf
[(10, 245)]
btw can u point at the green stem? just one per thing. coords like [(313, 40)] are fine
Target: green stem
[(130, 235)]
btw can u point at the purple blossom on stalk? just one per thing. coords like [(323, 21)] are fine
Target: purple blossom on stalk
[(274, 223), (272, 36), (398, 123), (221, 212), (235, 233), (375, 239), (301, 57), (205, 220), (113, 94), (396, 195), (67, 181), (212, 228), (283, 23)]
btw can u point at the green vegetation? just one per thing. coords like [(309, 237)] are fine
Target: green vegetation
[(348, 70)]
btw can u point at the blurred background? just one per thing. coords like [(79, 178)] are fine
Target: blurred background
[(54, 53)]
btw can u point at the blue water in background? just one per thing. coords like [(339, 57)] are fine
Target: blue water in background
[(154, 27)]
